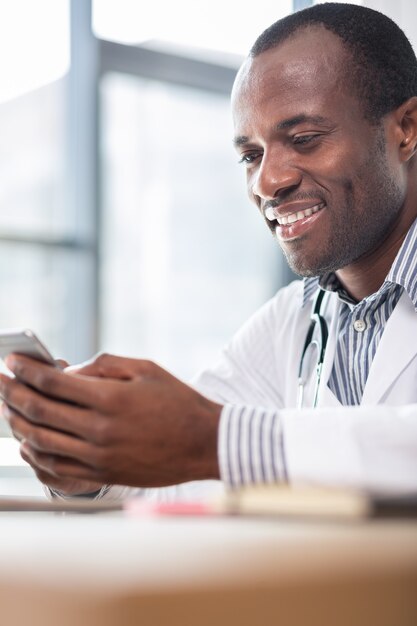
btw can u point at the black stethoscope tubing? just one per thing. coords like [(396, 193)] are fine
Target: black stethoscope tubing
[(318, 320)]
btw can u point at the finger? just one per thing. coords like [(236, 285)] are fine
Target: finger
[(58, 467), (111, 366), (104, 366), (49, 441), (55, 383), (43, 411), (12, 414), (4, 413), (62, 363), (65, 486), (4, 410)]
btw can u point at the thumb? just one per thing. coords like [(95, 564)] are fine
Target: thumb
[(61, 363), (108, 366)]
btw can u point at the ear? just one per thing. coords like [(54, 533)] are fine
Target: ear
[(406, 128)]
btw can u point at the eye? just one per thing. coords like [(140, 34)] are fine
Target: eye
[(302, 140), (249, 157)]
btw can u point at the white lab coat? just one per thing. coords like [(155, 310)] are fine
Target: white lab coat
[(373, 446)]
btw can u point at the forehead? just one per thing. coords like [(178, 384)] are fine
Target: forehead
[(307, 70)]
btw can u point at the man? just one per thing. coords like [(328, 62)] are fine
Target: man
[(325, 114)]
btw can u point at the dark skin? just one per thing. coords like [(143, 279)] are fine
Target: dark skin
[(308, 150), (305, 141), (134, 424)]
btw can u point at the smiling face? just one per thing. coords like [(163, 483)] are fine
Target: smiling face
[(323, 177)]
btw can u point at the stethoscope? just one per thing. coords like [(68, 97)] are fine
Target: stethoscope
[(319, 344)]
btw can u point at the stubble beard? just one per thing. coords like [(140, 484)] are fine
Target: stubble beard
[(354, 233)]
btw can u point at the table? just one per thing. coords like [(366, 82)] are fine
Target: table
[(107, 569)]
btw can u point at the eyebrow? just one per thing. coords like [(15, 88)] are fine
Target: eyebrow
[(286, 124), (300, 119)]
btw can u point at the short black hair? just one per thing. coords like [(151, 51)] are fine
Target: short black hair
[(383, 72)]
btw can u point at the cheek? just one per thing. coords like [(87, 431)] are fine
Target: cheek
[(338, 164), (344, 174)]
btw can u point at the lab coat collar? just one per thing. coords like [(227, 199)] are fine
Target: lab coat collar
[(397, 347)]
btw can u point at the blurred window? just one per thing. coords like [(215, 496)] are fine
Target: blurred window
[(34, 44), (32, 163), (144, 243), (226, 27), (186, 258), (37, 266)]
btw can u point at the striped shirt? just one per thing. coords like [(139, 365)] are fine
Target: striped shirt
[(251, 446), (361, 324)]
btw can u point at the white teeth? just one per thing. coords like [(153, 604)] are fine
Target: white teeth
[(294, 217), (270, 215)]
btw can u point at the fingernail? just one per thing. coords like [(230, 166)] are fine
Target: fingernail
[(24, 447), (10, 361), (5, 411)]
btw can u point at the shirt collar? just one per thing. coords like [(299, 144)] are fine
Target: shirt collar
[(403, 272)]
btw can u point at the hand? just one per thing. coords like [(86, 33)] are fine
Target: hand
[(113, 421), (66, 486)]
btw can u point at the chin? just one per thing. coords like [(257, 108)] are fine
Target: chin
[(303, 268), (310, 269)]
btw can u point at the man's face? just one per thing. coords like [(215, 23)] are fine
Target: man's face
[(316, 168)]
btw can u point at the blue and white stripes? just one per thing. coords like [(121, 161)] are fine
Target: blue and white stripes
[(360, 330), (250, 446)]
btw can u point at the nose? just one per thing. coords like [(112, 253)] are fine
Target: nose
[(274, 175)]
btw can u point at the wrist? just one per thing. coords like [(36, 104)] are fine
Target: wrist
[(206, 464)]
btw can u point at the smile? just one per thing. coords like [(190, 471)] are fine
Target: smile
[(291, 218)]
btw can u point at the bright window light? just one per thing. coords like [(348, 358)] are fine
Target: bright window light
[(229, 27), (359, 2), (34, 44), (10, 456)]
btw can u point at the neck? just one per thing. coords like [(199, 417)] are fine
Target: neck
[(366, 275)]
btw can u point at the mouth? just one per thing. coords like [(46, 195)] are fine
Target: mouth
[(293, 224), (272, 214)]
